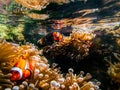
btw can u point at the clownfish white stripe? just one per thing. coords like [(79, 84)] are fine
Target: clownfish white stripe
[(27, 65), (18, 70)]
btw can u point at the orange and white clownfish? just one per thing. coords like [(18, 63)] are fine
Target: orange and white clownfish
[(21, 70), (50, 38), (57, 24), (57, 37)]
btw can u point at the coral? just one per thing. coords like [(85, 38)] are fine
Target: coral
[(34, 4), (43, 76), (37, 16), (114, 69), (37, 5), (75, 46), (11, 32), (61, 1), (40, 4)]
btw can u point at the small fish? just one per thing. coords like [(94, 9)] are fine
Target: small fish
[(21, 70), (51, 38), (57, 36)]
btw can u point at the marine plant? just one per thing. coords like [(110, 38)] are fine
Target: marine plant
[(44, 76)]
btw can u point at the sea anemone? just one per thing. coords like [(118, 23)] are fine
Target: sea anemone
[(33, 4), (114, 69), (37, 16), (75, 46), (9, 54), (39, 4), (43, 76)]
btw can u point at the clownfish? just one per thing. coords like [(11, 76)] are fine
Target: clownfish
[(21, 70), (57, 37), (57, 24), (51, 38)]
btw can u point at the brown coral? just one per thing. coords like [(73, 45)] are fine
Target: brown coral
[(75, 46)]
